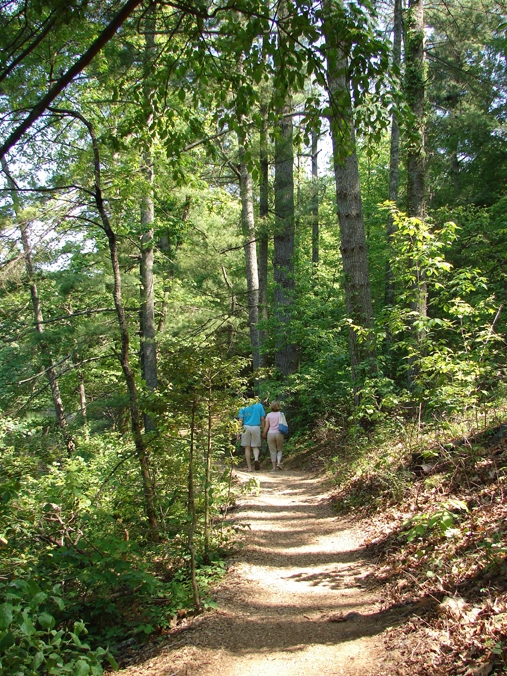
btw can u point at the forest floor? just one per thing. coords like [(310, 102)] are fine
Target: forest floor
[(294, 600)]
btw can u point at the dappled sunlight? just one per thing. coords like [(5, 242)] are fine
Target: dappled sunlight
[(293, 601)]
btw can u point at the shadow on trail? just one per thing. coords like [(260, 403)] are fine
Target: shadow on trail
[(260, 633), (296, 583)]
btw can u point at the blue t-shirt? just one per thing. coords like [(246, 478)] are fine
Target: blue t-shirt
[(251, 415)]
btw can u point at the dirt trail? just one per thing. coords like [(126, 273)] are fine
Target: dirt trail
[(292, 602)]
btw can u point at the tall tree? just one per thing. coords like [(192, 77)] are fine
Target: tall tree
[(263, 229), (148, 327), (250, 248), (314, 207), (286, 354), (348, 192), (142, 450), (394, 151), (415, 87), (43, 345)]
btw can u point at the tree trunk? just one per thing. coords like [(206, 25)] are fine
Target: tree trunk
[(44, 349), (286, 355), (314, 208), (394, 155), (348, 197), (263, 232), (82, 391), (415, 86), (192, 514), (164, 245), (252, 274), (207, 479), (148, 330)]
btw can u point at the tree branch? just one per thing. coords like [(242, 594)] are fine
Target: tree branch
[(67, 77)]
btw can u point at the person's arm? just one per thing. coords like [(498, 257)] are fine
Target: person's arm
[(265, 426)]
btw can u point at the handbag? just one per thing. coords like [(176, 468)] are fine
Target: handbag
[(282, 425)]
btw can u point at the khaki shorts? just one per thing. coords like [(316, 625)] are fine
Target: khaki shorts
[(251, 436)]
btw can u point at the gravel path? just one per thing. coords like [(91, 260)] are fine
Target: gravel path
[(293, 601)]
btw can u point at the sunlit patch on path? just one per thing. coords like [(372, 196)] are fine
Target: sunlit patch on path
[(293, 602)]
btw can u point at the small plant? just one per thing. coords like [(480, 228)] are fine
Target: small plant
[(32, 643), (443, 520)]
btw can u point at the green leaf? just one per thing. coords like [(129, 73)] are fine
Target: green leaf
[(39, 598), (6, 641), (46, 621), (27, 627), (5, 615), (75, 638), (81, 668), (112, 662), (59, 602), (37, 660)]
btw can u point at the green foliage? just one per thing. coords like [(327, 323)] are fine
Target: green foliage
[(452, 350), (32, 643), (442, 519)]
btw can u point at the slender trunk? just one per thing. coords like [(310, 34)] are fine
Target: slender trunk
[(192, 515), (124, 357), (263, 232), (415, 87), (81, 382), (44, 348), (207, 480), (348, 198), (394, 155), (286, 355), (252, 273), (455, 165), (82, 392), (148, 329), (232, 312), (314, 208), (164, 244)]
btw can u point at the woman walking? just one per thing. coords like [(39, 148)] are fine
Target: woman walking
[(274, 436)]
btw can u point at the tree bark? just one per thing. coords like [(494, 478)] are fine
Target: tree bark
[(250, 248), (348, 196), (263, 232), (192, 514), (148, 328), (164, 245), (286, 355), (394, 154), (415, 87), (314, 208), (44, 349)]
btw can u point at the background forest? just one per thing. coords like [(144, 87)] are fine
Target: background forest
[(304, 199)]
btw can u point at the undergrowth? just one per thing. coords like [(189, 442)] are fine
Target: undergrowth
[(435, 495)]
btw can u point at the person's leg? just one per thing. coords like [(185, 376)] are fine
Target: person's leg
[(256, 445), (247, 458), (279, 446), (272, 449), (246, 442), (256, 452)]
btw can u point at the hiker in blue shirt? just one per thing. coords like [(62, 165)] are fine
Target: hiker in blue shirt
[(252, 418)]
